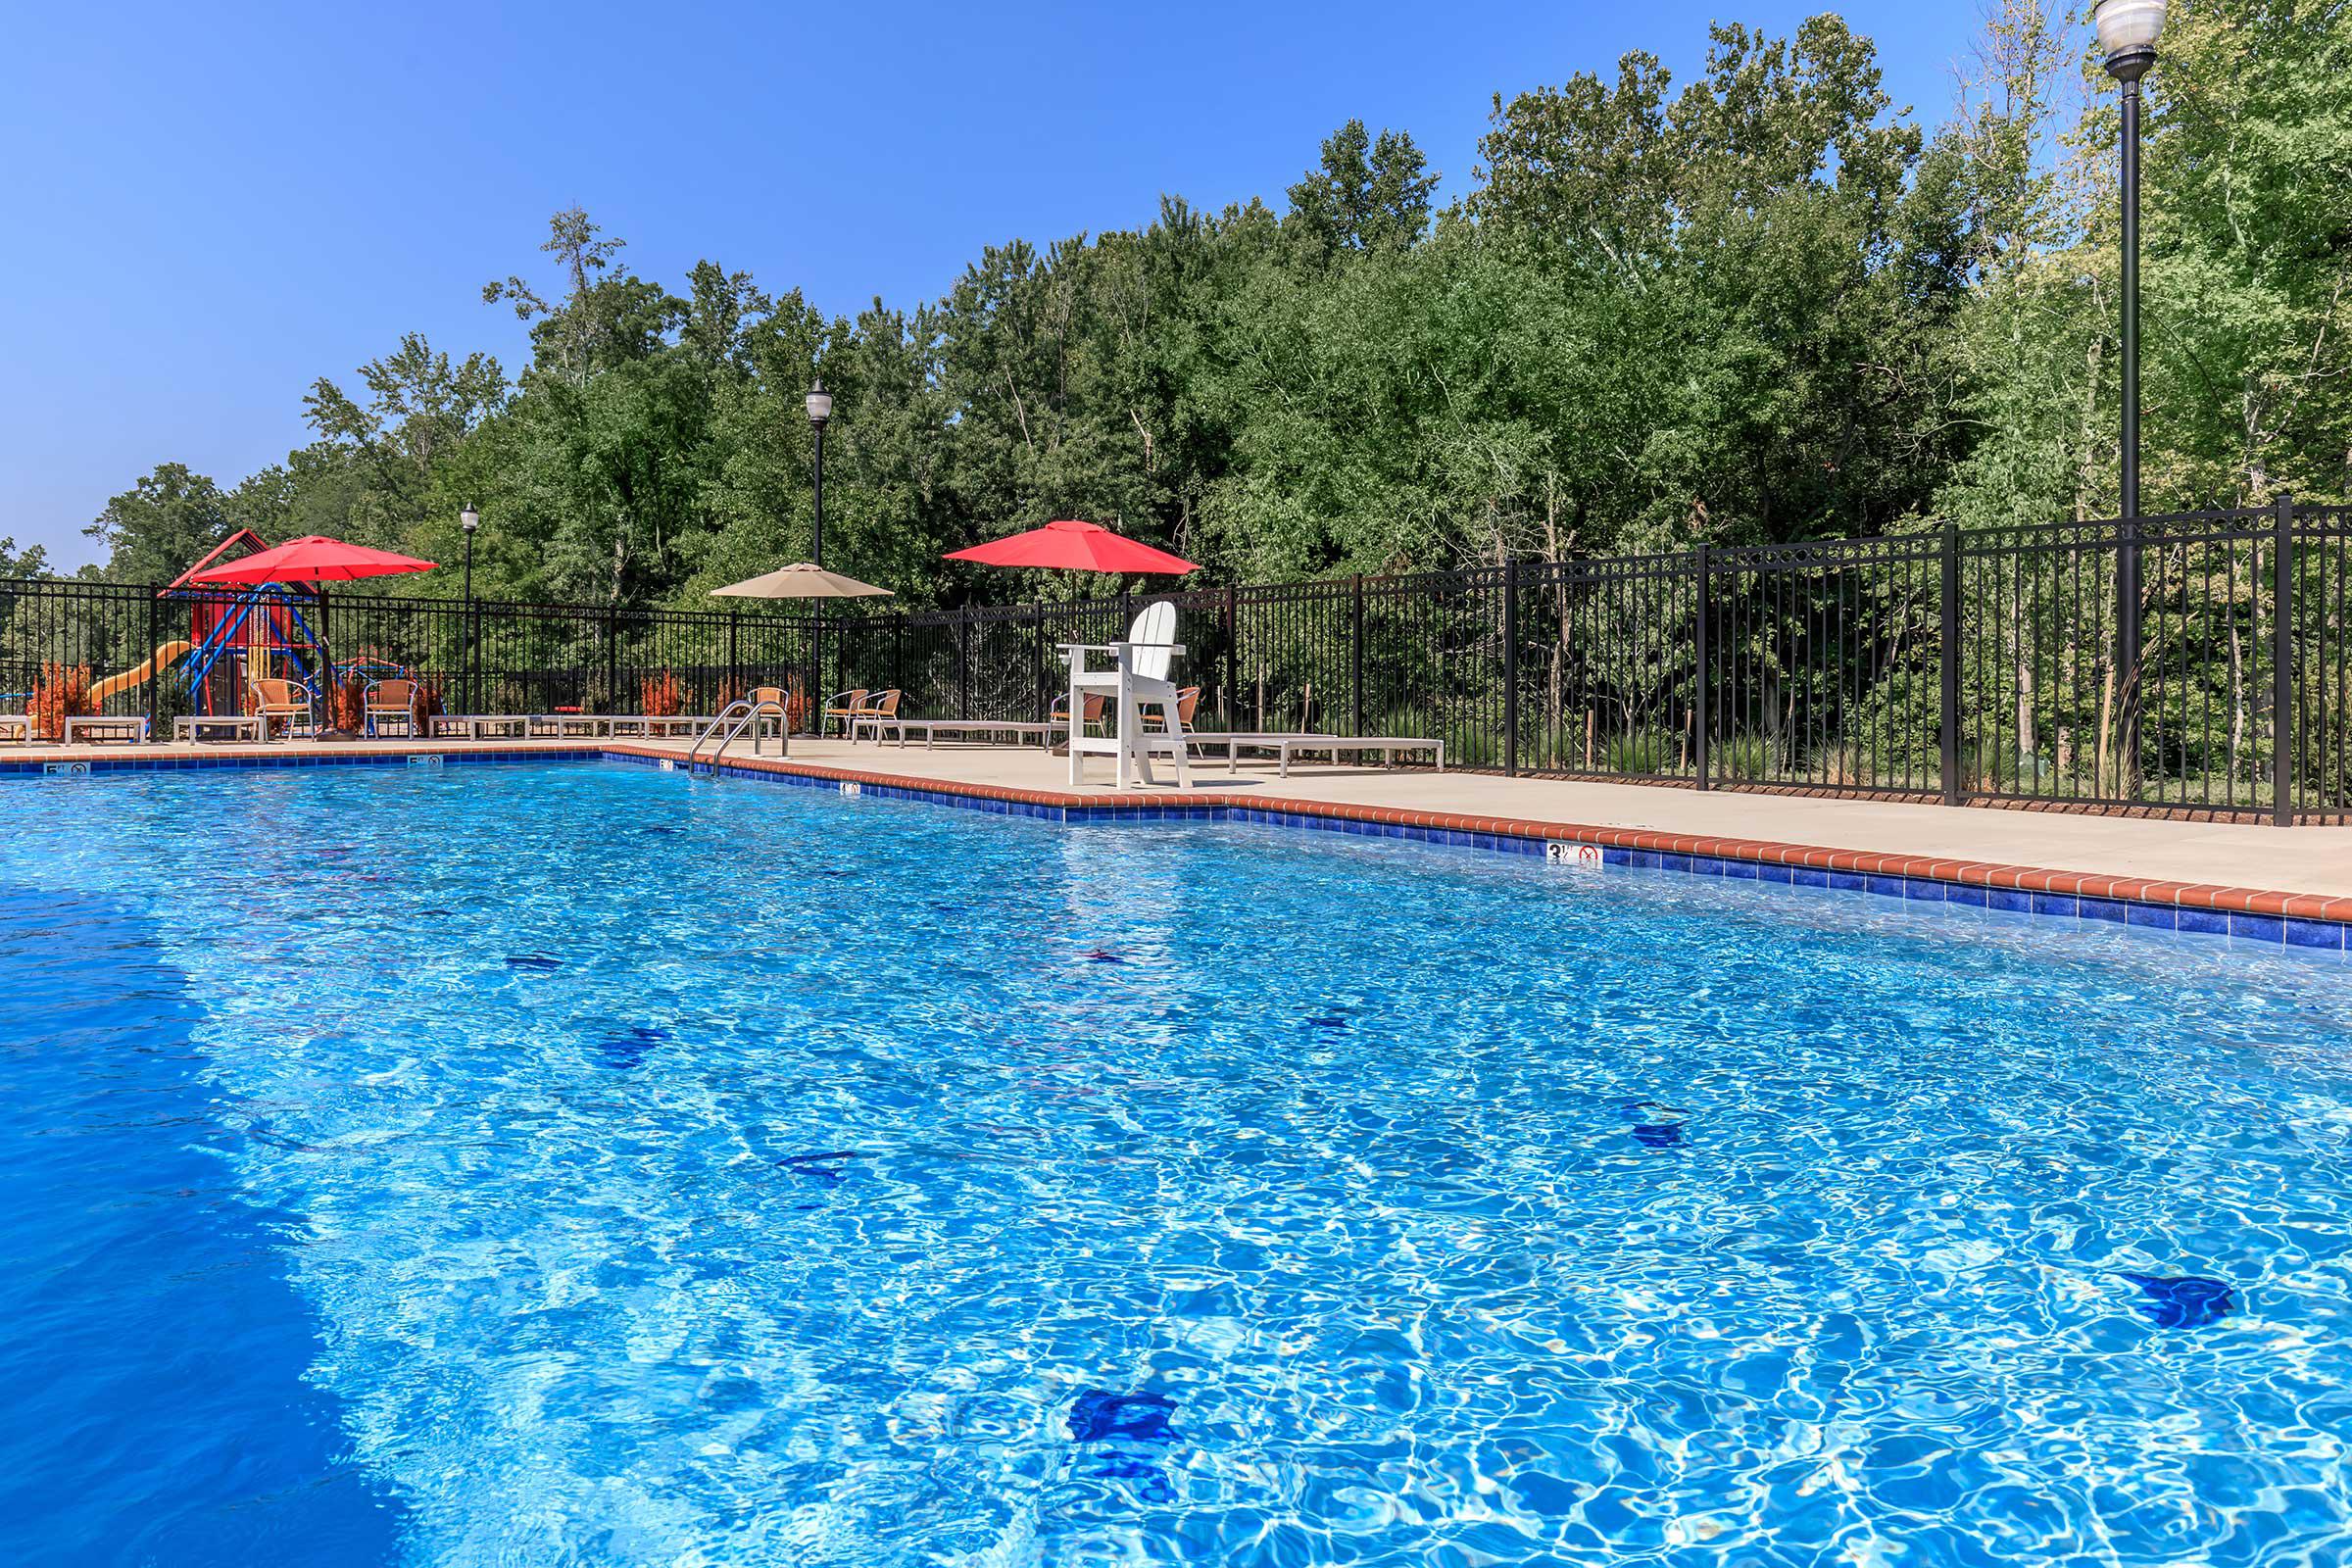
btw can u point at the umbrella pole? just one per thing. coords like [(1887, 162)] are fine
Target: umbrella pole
[(326, 674)]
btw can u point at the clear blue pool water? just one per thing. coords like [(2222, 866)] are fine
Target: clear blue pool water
[(579, 1164)]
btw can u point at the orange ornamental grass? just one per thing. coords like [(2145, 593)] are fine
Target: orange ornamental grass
[(347, 703), (658, 696), (63, 692)]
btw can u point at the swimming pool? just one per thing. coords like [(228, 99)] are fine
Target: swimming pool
[(577, 1163)]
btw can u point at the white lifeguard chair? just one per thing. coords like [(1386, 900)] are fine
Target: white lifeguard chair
[(1137, 679)]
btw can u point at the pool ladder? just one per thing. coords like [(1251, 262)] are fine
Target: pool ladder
[(745, 713)]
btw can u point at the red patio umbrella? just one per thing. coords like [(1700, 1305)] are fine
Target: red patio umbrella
[(1073, 546), (1069, 545), (315, 559)]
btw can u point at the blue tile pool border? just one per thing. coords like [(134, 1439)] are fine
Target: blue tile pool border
[(2266, 931), (249, 761), (2252, 929)]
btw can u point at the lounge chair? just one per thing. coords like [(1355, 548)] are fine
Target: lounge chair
[(843, 705), (876, 714), (1136, 681), (1091, 712), (269, 698), (1187, 699), (389, 700), (769, 703), (1091, 715)]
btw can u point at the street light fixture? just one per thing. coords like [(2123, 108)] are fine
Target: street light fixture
[(2127, 28), (820, 410), (2127, 31), (469, 520)]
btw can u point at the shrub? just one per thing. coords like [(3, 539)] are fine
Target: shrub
[(63, 692), (658, 696), (1639, 752), (347, 703), (1748, 756)]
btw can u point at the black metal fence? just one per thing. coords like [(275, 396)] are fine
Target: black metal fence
[(1977, 666)]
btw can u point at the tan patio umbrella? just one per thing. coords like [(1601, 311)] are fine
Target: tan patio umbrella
[(801, 580)]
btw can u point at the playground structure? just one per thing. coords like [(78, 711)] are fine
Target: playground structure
[(236, 635), (258, 634)]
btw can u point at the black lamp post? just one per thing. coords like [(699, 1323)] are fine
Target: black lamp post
[(470, 519), (820, 410), (2127, 30)]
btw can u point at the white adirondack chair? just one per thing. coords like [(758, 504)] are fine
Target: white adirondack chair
[(1136, 679)]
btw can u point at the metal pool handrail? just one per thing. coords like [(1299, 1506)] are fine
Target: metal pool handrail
[(745, 713)]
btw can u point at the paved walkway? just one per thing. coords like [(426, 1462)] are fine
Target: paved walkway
[(2306, 861)]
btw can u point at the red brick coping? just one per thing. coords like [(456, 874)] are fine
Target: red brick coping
[(1968, 873)]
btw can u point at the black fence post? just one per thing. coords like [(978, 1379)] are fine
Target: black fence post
[(1702, 720), (1355, 650), (963, 666), (155, 675), (1510, 669), (734, 677), (1948, 662), (1233, 656), (2282, 663)]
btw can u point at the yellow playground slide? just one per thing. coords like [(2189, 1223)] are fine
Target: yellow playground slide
[(139, 674)]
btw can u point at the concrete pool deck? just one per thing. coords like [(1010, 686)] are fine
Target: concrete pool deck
[(2300, 871)]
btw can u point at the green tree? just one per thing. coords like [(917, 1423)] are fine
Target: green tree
[(1367, 194), (158, 528), (30, 562), (1762, 304)]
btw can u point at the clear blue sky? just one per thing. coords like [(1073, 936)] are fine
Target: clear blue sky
[(208, 207)]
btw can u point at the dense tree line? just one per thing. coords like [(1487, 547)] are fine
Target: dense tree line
[(1764, 304)]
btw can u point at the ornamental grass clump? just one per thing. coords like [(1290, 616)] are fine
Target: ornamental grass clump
[(658, 696), (63, 692)]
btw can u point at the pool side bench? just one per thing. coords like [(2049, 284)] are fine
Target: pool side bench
[(194, 727), (1023, 731), (553, 726), (129, 729), (1283, 746)]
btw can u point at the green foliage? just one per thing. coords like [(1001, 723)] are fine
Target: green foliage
[(1367, 194), (1743, 756), (1640, 752), (156, 529), (1764, 304), (30, 562)]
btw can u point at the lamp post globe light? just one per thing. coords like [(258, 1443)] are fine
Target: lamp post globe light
[(2127, 30), (820, 411)]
